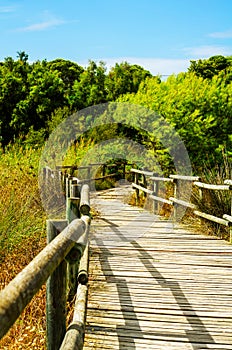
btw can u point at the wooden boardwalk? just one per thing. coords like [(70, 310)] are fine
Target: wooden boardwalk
[(154, 285)]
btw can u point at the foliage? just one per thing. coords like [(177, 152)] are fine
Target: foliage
[(199, 109), (124, 78), (22, 215), (32, 93), (214, 202), (212, 66)]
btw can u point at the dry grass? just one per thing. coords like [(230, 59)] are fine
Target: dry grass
[(22, 237), (28, 331), (21, 213)]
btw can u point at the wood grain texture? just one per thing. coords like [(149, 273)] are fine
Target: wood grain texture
[(154, 284)]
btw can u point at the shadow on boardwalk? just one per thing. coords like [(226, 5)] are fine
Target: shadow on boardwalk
[(165, 318)]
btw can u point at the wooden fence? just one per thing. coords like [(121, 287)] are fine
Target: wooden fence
[(95, 172), (63, 265), (145, 179)]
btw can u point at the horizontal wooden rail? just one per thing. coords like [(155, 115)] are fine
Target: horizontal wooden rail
[(174, 201), (227, 217), (165, 179), (213, 187), (185, 177), (18, 293), (160, 199), (83, 181), (74, 337), (183, 203), (142, 172), (84, 200), (211, 218), (144, 189)]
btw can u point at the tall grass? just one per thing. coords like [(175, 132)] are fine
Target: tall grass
[(22, 215), (22, 236), (215, 202)]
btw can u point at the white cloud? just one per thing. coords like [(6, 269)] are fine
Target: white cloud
[(41, 26), (7, 9), (157, 66), (48, 21), (222, 35), (207, 51)]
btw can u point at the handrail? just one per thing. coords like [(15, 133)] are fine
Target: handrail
[(64, 259), (213, 187), (174, 200), (68, 246), (19, 292), (88, 179)]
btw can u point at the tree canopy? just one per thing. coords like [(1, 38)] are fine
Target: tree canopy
[(36, 97), (212, 66), (30, 93)]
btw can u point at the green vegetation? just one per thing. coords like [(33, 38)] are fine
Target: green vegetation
[(200, 109), (31, 93), (36, 97), (22, 216)]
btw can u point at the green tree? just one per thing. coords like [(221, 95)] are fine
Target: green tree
[(124, 78), (45, 94), (209, 67), (14, 88), (199, 109), (69, 71), (90, 89)]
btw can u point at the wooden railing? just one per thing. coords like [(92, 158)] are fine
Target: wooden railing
[(96, 171), (145, 179), (63, 265)]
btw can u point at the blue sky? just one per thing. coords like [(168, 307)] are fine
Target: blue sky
[(161, 35)]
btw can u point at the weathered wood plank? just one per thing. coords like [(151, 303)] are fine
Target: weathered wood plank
[(167, 288)]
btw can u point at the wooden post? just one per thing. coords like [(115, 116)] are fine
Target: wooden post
[(137, 190), (156, 192), (144, 184), (73, 257), (75, 189), (67, 191), (72, 209), (19, 292), (176, 196), (56, 294), (64, 182)]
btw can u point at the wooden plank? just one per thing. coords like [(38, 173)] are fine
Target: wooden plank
[(168, 289)]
